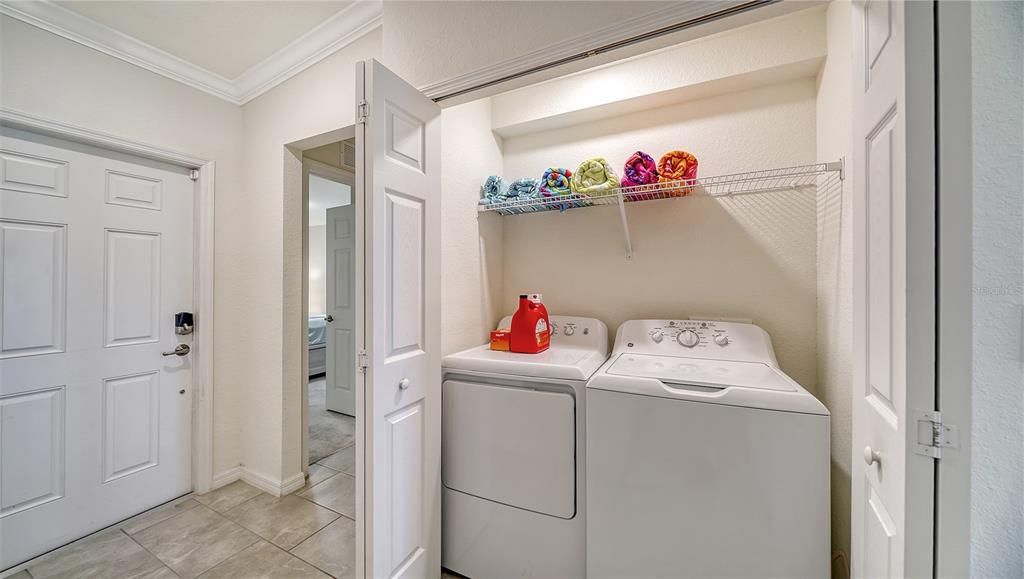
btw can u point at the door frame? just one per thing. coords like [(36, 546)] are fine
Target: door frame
[(296, 199), (954, 320), (202, 263), (311, 166)]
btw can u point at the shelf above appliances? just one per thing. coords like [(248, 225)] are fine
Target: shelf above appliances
[(801, 177)]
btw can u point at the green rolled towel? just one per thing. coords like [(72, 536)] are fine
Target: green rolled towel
[(594, 177)]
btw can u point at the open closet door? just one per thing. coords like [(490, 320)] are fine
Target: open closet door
[(398, 142), (341, 313), (894, 288)]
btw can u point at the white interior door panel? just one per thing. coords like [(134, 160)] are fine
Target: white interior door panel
[(341, 309), (95, 260), (398, 150), (894, 286)]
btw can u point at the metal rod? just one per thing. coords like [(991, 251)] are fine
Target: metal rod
[(611, 46), (625, 225)]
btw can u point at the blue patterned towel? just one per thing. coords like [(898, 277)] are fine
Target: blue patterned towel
[(494, 190)]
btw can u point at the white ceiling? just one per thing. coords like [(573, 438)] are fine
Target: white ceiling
[(234, 50), (226, 38)]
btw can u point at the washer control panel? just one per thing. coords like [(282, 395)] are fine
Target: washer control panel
[(696, 339), (690, 334)]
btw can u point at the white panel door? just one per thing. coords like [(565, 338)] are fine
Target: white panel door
[(894, 287), (95, 259), (399, 196), (341, 309)]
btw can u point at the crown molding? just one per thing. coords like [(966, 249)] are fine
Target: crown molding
[(326, 38), (567, 48), (322, 41)]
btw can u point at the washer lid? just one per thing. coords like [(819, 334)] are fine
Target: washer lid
[(563, 362), (713, 374)]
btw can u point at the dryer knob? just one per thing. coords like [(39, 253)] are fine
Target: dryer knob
[(657, 336), (688, 338), (721, 339)]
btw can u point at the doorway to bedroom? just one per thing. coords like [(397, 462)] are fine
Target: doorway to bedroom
[(329, 178)]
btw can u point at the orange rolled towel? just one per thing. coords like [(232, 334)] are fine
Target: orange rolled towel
[(677, 166)]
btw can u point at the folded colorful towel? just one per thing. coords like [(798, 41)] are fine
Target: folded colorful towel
[(557, 181), (594, 178), (640, 169), (525, 188), (494, 190), (677, 166)]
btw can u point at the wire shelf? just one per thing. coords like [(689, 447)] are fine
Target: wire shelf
[(764, 181)]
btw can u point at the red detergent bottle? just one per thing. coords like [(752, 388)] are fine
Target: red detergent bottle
[(531, 329)]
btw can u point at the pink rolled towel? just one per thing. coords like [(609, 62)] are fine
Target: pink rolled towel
[(640, 169)]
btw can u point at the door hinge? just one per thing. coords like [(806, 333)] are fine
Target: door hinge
[(193, 174), (362, 112), (363, 360), (933, 434)]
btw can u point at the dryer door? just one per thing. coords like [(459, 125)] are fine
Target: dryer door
[(515, 446)]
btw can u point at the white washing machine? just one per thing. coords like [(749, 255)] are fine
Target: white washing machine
[(703, 458), (512, 458)]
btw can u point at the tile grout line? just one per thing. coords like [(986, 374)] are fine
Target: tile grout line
[(315, 534), (290, 554), (143, 547)]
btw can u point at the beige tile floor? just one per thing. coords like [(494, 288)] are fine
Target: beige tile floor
[(234, 531)]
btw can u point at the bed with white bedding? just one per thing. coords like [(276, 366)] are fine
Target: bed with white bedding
[(317, 345)]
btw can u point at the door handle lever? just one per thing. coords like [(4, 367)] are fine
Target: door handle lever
[(330, 318), (180, 350)]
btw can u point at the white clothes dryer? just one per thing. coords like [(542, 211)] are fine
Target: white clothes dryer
[(703, 458), (512, 458)]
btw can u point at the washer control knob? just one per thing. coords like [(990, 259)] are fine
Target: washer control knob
[(688, 338), (721, 339), (569, 330), (657, 336)]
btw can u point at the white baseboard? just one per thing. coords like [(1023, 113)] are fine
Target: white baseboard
[(226, 477), (293, 483), (263, 482)]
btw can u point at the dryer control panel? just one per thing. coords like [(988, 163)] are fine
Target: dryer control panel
[(573, 331), (696, 339)]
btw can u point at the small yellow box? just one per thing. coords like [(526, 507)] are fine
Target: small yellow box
[(501, 340)]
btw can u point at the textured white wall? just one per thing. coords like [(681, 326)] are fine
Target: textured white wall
[(835, 251), (742, 257), (718, 64), (318, 269), (316, 101), (435, 40), (997, 399), (471, 254), (46, 75)]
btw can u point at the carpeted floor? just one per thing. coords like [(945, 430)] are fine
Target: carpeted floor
[(329, 431)]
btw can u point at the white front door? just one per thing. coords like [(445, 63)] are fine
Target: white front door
[(341, 309), (894, 287), (399, 239), (95, 259)]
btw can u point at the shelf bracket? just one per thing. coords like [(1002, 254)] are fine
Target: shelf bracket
[(625, 225), (839, 165)]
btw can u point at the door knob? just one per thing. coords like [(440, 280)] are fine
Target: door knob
[(871, 456), (330, 318), (180, 350), (403, 384)]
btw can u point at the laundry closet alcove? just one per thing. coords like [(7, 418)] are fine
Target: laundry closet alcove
[(765, 108)]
